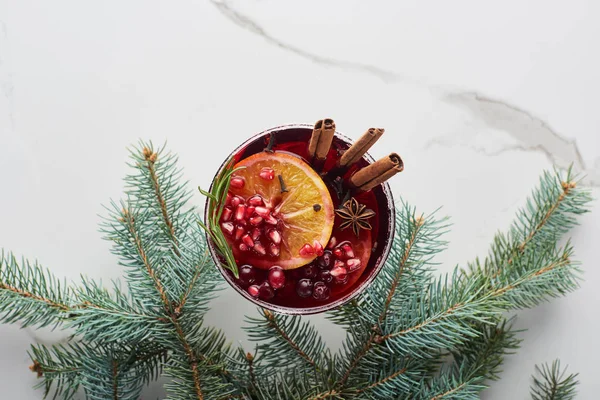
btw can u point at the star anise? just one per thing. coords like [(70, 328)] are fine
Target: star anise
[(356, 215)]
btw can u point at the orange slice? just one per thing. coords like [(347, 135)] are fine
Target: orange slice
[(301, 212)]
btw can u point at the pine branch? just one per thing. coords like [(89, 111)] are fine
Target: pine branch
[(552, 383), (31, 295)]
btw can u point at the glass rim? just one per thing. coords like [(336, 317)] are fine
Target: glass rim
[(354, 292)]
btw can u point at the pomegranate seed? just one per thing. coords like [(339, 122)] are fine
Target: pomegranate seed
[(320, 291), (228, 199), (240, 212), (304, 287), (255, 233), (239, 231), (262, 211), (353, 264), (227, 227), (337, 252), (256, 220), (338, 264), (339, 273), (275, 236), (256, 200), (307, 250), (249, 211), (260, 249), (266, 292), (253, 290), (271, 220), (276, 277), (348, 249), (274, 249), (237, 182), (267, 173), (332, 242), (325, 260), (247, 240), (236, 201), (243, 247), (247, 275), (318, 248), (226, 215)]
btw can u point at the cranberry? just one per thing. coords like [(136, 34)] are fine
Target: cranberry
[(267, 173), (254, 290), (325, 276), (276, 277), (325, 260), (237, 182), (307, 250), (309, 271), (266, 292), (247, 274), (304, 287), (320, 291)]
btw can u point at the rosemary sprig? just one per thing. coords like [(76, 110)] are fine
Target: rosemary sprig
[(216, 203)]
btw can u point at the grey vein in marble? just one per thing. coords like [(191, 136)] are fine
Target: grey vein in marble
[(245, 22), (531, 133)]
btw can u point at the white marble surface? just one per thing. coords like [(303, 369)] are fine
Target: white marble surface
[(478, 98)]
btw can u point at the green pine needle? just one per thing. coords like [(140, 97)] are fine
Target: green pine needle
[(551, 382)]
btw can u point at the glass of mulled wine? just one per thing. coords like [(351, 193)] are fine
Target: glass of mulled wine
[(303, 239)]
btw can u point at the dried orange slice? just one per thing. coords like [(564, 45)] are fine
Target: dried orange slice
[(278, 212)]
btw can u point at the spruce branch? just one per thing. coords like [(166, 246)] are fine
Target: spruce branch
[(31, 295), (551, 382)]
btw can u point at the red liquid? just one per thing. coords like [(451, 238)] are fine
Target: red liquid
[(345, 264)]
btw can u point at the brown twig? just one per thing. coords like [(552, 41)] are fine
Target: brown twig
[(151, 158), (23, 293), (382, 381), (451, 391)]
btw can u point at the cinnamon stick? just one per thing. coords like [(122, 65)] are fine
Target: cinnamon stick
[(361, 146), (377, 173), (320, 141)]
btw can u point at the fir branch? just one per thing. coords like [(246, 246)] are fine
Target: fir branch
[(552, 383), (31, 295)]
